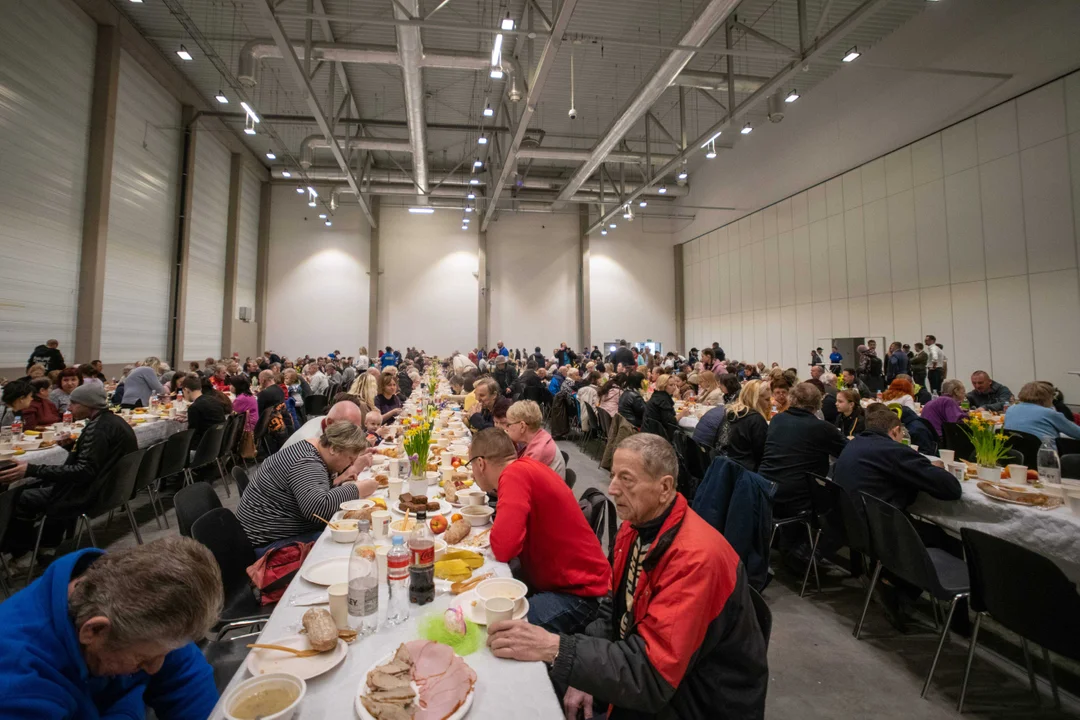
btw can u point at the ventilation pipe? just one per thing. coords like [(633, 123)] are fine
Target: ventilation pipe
[(311, 143)]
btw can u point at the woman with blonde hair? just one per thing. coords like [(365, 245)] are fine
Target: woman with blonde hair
[(523, 425), (659, 416), (709, 391), (366, 388), (742, 437), (141, 383)]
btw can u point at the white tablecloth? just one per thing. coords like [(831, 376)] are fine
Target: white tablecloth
[(504, 688), (146, 434), (1053, 533), (689, 422)]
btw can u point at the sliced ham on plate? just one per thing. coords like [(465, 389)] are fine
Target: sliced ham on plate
[(444, 679)]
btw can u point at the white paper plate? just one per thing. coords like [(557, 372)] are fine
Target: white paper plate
[(362, 712), (356, 504), (445, 508), (263, 662), (327, 572), (476, 614)]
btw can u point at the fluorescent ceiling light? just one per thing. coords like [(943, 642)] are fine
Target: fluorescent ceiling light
[(711, 154), (299, 190), (322, 216), (468, 208), (711, 140), (643, 203), (422, 210), (464, 227), (312, 191), (478, 163), (792, 96), (220, 97), (465, 220), (507, 23), (474, 181), (249, 129), (603, 232), (328, 223), (496, 51), (183, 53), (662, 190), (311, 203), (270, 155), (471, 196), (612, 225), (251, 113), (852, 54), (496, 74), (287, 174), (137, 1), (683, 174), (488, 112), (482, 140), (747, 129)]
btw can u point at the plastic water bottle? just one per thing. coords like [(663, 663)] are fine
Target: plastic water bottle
[(364, 583), (397, 579), (1049, 463), (16, 428), (421, 562), (154, 402), (68, 417)]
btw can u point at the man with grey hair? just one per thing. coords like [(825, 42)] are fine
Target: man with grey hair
[(108, 634), (678, 637), (491, 403)]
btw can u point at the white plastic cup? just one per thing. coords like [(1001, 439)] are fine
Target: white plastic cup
[(380, 523), (393, 469), (947, 456), (497, 609), (393, 488), (380, 557), (339, 604)]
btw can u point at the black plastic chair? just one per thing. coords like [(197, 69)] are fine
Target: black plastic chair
[(601, 516), (565, 458), (956, 440), (1070, 466), (851, 528), (148, 474), (1027, 445), (764, 614), (594, 426), (222, 533), (571, 478), (1068, 446), (174, 458), (8, 498), (240, 477), (1026, 593), (207, 454), (315, 405), (192, 502), (897, 546), (230, 438)]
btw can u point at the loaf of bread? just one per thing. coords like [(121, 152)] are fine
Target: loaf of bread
[(320, 628), (457, 532)]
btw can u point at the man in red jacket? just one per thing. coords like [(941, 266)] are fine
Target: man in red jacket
[(679, 637), (539, 523)]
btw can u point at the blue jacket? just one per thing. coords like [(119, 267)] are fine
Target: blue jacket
[(388, 359), (43, 673), (555, 383), (738, 503)]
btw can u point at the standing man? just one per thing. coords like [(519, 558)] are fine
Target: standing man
[(503, 349), (898, 362), (935, 364), (835, 358), (624, 357), (48, 355)]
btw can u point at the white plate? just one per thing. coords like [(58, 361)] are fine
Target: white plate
[(445, 508), (263, 662), (362, 712), (356, 504), (475, 613), (327, 572)]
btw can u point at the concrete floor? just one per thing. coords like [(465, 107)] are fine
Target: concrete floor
[(817, 669)]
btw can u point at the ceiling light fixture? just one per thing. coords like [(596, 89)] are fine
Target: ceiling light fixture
[(507, 23), (468, 208), (488, 112), (465, 220), (662, 189), (299, 190), (474, 181), (464, 227), (310, 203), (478, 163), (792, 96), (313, 191), (221, 98), (249, 126), (137, 1), (471, 195), (422, 210), (711, 154), (270, 155), (250, 113), (496, 74), (482, 140), (612, 225), (322, 216), (747, 129), (603, 232), (496, 51), (287, 174), (852, 54), (311, 196), (328, 223), (643, 203), (183, 53), (711, 140)]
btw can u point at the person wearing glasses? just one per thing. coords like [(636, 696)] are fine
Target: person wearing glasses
[(523, 421)]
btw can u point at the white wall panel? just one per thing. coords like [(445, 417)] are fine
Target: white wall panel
[(800, 212), (769, 217), (837, 257), (761, 334), (758, 267), (822, 326), (898, 171), (206, 249), (903, 250), (971, 331), (775, 332), (995, 131), (873, 180), (803, 278), (734, 331), (772, 272), (1041, 114), (1048, 207), (852, 189), (834, 196), (247, 248), (876, 237), (723, 283), (959, 148), (46, 80), (854, 241), (931, 237), (805, 333), (789, 324), (819, 259), (818, 207), (963, 213), (926, 161), (881, 316), (1055, 328), (711, 275), (1010, 331), (1003, 217), (749, 337), (757, 227), (746, 278), (858, 316), (141, 250), (786, 254), (840, 324), (907, 317), (734, 270), (937, 319), (1072, 103), (783, 215)]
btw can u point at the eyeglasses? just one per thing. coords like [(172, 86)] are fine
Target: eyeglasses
[(470, 460)]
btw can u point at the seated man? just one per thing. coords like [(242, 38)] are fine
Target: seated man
[(679, 637), (987, 394), (539, 523), (18, 396), (68, 488), (203, 411), (488, 400), (108, 634)]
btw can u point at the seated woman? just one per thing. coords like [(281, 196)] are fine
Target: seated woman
[(631, 404), (730, 386), (309, 478), (61, 394), (245, 401), (388, 402), (742, 436), (779, 385), (523, 425), (709, 390), (900, 391), (660, 414), (41, 413), (849, 413), (141, 383), (609, 393), (1035, 413)]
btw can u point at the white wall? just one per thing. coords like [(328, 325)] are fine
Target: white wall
[(968, 234), (317, 278), (533, 265), (632, 276), (247, 246)]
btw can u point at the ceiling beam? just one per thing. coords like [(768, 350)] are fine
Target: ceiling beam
[(536, 87), (411, 51), (296, 69), (779, 80), (747, 30)]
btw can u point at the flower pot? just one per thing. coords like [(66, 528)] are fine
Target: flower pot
[(418, 485), (990, 474)]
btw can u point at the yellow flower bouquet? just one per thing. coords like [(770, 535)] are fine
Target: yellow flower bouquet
[(991, 445), (417, 443)]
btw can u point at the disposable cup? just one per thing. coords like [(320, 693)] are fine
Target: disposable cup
[(339, 604), (497, 609)]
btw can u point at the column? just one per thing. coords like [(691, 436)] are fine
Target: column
[(98, 194), (183, 234), (680, 319), (374, 272), (483, 304), (262, 267), (232, 249), (584, 309)]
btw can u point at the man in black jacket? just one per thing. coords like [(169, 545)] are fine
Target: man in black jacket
[(527, 379), (623, 356), (48, 355), (538, 357), (71, 487), (504, 375)]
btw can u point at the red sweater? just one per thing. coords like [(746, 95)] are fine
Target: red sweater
[(539, 520)]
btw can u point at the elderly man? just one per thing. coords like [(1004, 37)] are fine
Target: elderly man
[(108, 634), (317, 379), (504, 375), (539, 522), (678, 637), (270, 393), (488, 400), (72, 486), (987, 394)]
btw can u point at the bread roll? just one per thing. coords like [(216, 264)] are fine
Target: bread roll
[(457, 532), (320, 628)]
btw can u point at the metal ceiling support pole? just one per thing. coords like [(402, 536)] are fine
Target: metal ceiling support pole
[(747, 30), (313, 142), (855, 18), (719, 81), (339, 69), (536, 87), (297, 71), (682, 118), (308, 38), (822, 18), (411, 52), (730, 68), (483, 283), (373, 284), (648, 151), (708, 94), (660, 126), (262, 265), (801, 5), (696, 35)]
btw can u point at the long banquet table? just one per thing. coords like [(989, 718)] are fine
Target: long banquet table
[(504, 688), (146, 434)]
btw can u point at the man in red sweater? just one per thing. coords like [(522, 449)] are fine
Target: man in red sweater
[(539, 523)]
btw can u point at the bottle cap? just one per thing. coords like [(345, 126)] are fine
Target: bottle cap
[(421, 514), (398, 540), (364, 525)]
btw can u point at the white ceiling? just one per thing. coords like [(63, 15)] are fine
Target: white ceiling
[(880, 103)]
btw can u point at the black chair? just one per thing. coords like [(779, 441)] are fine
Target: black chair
[(192, 502), (222, 533), (955, 439), (851, 528), (1070, 466), (600, 513), (764, 614), (207, 454), (1026, 593), (315, 405), (604, 423), (8, 498), (594, 426), (1027, 445), (174, 458), (897, 546), (240, 477), (1068, 446), (565, 458), (148, 474), (571, 478)]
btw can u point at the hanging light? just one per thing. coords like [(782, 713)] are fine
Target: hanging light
[(328, 223), (496, 74), (251, 113), (286, 174), (852, 54), (421, 210), (468, 208), (643, 203), (464, 227), (683, 174), (792, 96), (507, 23), (712, 140), (603, 232), (747, 129), (299, 190), (482, 140), (270, 155), (221, 98), (711, 154), (662, 189), (474, 181), (311, 196), (322, 216), (496, 51), (612, 225), (313, 191), (488, 112), (471, 195), (478, 163), (249, 126), (183, 53), (465, 220)]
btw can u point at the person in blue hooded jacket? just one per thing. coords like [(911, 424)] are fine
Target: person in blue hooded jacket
[(104, 635)]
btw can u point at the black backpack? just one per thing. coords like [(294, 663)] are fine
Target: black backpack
[(600, 513)]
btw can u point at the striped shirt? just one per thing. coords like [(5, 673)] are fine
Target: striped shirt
[(292, 486)]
